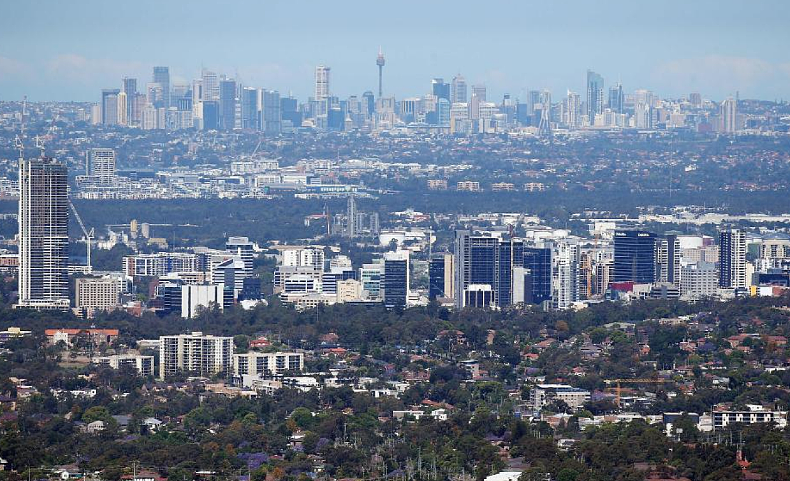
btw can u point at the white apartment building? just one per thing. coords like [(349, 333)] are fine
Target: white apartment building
[(698, 280), (144, 365), (543, 394), (202, 354), (267, 363)]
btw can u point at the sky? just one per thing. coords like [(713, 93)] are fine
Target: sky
[(70, 50)]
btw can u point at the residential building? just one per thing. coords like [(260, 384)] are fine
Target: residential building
[(196, 353)]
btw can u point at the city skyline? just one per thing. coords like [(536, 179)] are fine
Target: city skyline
[(698, 48)]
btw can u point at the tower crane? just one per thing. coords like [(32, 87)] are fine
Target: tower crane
[(618, 390), (88, 236)]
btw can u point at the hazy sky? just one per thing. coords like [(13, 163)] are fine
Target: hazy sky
[(69, 50)]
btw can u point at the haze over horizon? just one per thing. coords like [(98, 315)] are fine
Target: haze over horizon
[(65, 51)]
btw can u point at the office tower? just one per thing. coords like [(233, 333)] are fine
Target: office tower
[(243, 248), (195, 298), (572, 110), (594, 95), (380, 63), (458, 93), (396, 279), (727, 116), (440, 276), (486, 260), (732, 258), (92, 294), (227, 104), (539, 262), (250, 115), (440, 89), (210, 86), (634, 256), (195, 353), (369, 103), (162, 77), (479, 296), (478, 97), (101, 164), (669, 258), (695, 99), (43, 234), (290, 115), (210, 115), (109, 106), (698, 280), (443, 112), (351, 217), (565, 274), (616, 98), (371, 276), (321, 82), (129, 87), (272, 112)]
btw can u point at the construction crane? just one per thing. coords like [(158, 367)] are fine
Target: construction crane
[(618, 389), (88, 236)]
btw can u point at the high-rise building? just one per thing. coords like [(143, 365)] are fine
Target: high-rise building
[(538, 261), (727, 116), (250, 113), (616, 98), (162, 77), (242, 247), (481, 259), (396, 279), (227, 104), (210, 86), (109, 106), (634, 256), (478, 97), (43, 234), (594, 95), (101, 164), (322, 82), (196, 353), (669, 258), (458, 93), (272, 112), (732, 258), (129, 87), (565, 272), (440, 89), (440, 276), (572, 110)]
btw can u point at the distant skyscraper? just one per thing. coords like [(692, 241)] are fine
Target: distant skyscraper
[(616, 98), (101, 164), (572, 110), (43, 234), (732, 258), (210, 85), (250, 115), (669, 258), (440, 275), (727, 115), (486, 260), (321, 82), (538, 261), (478, 97), (227, 104), (162, 77), (109, 106), (396, 279), (368, 102), (594, 95), (440, 89), (634, 256), (459, 94), (129, 87), (380, 63), (272, 112)]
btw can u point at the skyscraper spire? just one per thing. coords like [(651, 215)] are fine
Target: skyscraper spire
[(380, 63)]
